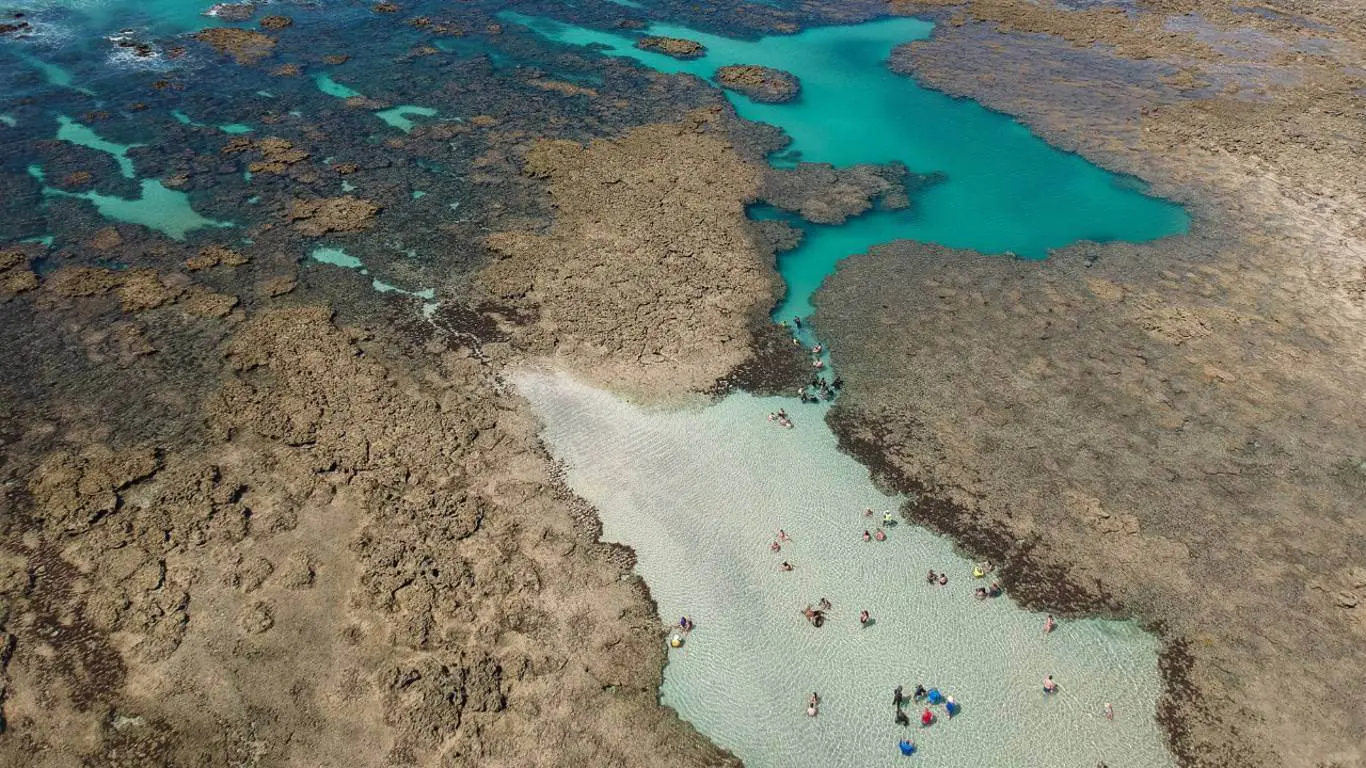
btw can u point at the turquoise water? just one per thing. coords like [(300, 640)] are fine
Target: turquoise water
[(331, 87), (398, 116), (76, 133), (1004, 189), (699, 494)]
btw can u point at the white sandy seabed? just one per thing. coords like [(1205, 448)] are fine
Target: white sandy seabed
[(699, 493)]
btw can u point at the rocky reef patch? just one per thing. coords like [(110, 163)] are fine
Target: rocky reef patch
[(762, 84)]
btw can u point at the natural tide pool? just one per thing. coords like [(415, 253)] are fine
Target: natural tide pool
[(1003, 188), (699, 493)]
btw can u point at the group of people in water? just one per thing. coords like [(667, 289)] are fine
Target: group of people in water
[(926, 699)]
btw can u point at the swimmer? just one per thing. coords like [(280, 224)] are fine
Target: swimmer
[(926, 718), (879, 535), (772, 415), (864, 618), (950, 707), (797, 321), (898, 698), (1109, 711), (887, 517), (786, 566), (901, 718), (867, 536), (932, 577), (868, 512), (685, 624), (818, 364), (943, 579), (1049, 686), (782, 535), (824, 604), (1048, 624), (812, 704), (775, 547), (920, 692), (980, 593), (994, 590), (818, 349)]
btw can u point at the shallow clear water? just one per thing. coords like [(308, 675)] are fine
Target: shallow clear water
[(699, 494), (1004, 189)]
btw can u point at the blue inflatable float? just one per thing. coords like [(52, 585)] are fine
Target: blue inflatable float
[(935, 696), (907, 747)]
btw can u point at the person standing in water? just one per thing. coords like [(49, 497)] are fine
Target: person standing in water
[(812, 704), (1049, 685), (864, 618), (1048, 624), (1109, 711)]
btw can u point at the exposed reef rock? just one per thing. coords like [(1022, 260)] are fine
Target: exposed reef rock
[(822, 194), (276, 22), (763, 84), (320, 216), (15, 274), (408, 532), (677, 47), (1127, 432), (652, 276), (245, 46)]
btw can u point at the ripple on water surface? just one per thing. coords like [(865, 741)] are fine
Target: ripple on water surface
[(699, 493)]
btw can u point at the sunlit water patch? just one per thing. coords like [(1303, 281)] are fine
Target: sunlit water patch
[(699, 495)]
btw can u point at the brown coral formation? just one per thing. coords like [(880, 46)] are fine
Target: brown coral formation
[(763, 84), (319, 216), (276, 22), (677, 47), (245, 46), (15, 274), (652, 276)]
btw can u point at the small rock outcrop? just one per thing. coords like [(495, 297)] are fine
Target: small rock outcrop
[(763, 84), (677, 47)]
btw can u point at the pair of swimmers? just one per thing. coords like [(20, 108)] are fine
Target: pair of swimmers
[(982, 593), (936, 578), (878, 534)]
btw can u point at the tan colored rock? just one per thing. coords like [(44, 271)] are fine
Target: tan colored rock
[(82, 281), (652, 276), (142, 289), (15, 275), (319, 216), (677, 47)]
